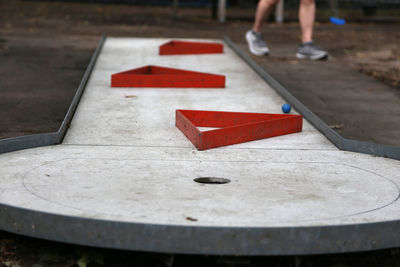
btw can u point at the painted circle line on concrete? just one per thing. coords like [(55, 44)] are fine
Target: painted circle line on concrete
[(126, 195)]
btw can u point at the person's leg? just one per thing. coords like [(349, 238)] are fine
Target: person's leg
[(264, 8), (307, 17), (255, 40)]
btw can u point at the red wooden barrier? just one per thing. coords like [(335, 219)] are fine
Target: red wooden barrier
[(155, 76), (175, 47), (234, 127)]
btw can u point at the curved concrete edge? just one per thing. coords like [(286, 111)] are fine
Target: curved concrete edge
[(29, 141), (53, 138), (339, 141), (177, 239)]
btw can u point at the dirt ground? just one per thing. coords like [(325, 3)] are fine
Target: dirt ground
[(46, 46), (22, 251)]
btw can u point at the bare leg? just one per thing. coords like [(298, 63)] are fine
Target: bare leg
[(255, 40), (264, 8), (307, 18)]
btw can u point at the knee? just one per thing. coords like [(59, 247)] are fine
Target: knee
[(307, 2), (269, 2)]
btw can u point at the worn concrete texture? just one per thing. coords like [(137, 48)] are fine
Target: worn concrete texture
[(123, 159)]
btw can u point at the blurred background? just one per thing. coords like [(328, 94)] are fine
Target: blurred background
[(351, 10)]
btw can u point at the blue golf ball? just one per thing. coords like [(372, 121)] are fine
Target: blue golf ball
[(286, 108)]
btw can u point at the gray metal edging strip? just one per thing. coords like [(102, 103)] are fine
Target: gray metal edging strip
[(52, 138), (340, 142), (209, 240)]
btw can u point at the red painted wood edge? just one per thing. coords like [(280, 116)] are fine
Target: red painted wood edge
[(155, 76), (187, 128), (254, 129), (176, 47)]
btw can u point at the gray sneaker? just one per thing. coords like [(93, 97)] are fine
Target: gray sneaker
[(257, 45), (311, 51)]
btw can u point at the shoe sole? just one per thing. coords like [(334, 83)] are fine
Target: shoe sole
[(251, 47), (318, 57)]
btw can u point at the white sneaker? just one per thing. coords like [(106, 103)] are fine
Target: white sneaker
[(257, 45)]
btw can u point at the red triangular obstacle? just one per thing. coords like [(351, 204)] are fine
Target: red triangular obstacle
[(175, 47), (155, 76), (234, 127)]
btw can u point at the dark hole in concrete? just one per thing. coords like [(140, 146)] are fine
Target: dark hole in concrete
[(212, 180)]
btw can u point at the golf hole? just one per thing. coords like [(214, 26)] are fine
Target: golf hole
[(212, 180)]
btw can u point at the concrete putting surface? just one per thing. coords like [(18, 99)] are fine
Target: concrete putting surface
[(124, 175)]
